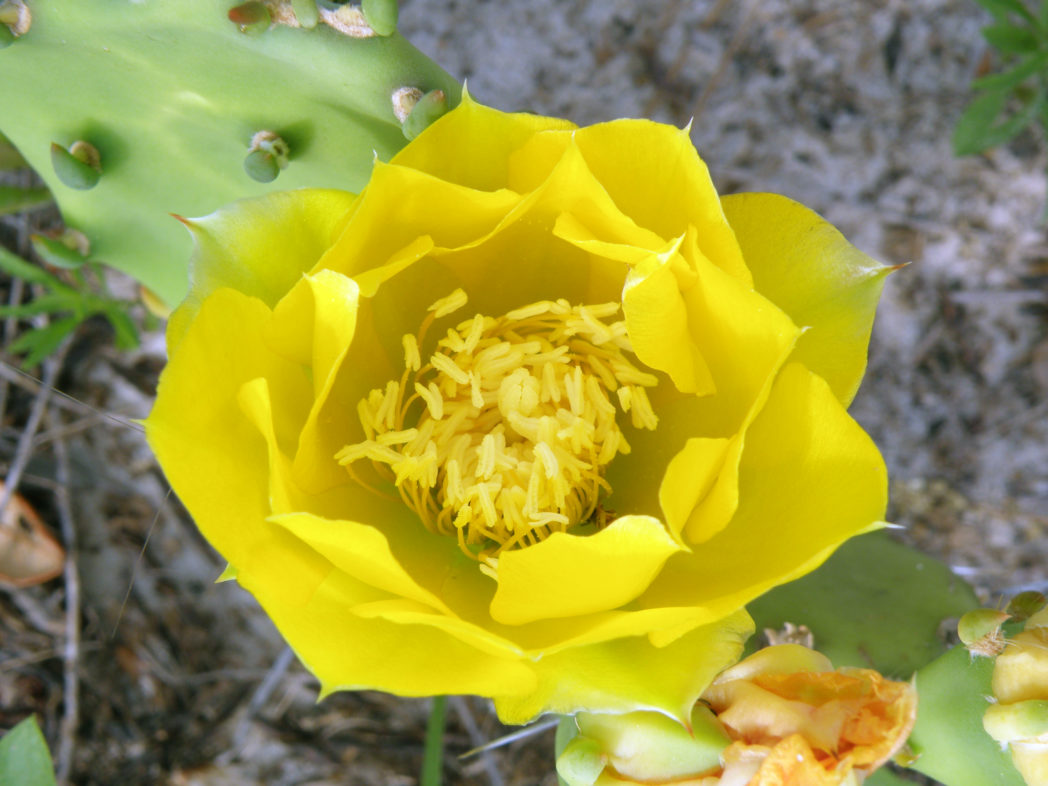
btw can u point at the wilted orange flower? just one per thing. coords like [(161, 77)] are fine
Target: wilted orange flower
[(793, 720), (782, 717)]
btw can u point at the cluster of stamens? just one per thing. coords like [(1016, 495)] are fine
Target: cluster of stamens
[(514, 419)]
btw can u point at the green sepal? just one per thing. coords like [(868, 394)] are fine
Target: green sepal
[(873, 604), (24, 757), (259, 246), (581, 762)]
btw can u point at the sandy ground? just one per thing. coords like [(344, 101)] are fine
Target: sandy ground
[(845, 106)]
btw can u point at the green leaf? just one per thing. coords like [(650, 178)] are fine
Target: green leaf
[(874, 604), (1010, 39), (56, 253), (15, 266), (125, 332), (41, 342), (1000, 9), (975, 130), (1014, 76), (949, 739), (24, 757), (15, 200), (45, 304)]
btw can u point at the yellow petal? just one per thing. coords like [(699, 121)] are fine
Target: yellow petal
[(657, 320), (689, 478), (213, 453), (606, 678), (723, 315), (654, 174), (472, 145), (258, 246), (415, 571), (744, 339), (314, 324), (348, 652), (809, 478), (402, 204), (806, 267), (569, 575)]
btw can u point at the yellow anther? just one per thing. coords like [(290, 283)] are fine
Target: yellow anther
[(511, 423), (432, 398), (450, 304), (412, 360)]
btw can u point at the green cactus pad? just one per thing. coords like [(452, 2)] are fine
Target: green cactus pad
[(949, 740), (171, 95), (874, 604)]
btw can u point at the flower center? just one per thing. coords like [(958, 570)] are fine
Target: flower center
[(514, 422)]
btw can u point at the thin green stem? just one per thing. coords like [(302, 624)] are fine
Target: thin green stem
[(433, 756)]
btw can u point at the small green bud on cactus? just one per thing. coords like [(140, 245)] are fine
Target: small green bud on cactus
[(250, 17), (980, 632), (79, 167), (427, 109), (381, 15), (267, 156), (306, 13), (1025, 605)]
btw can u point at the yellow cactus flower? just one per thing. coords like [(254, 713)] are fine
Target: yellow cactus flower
[(532, 417)]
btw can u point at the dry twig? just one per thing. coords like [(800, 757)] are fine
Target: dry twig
[(71, 649)]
